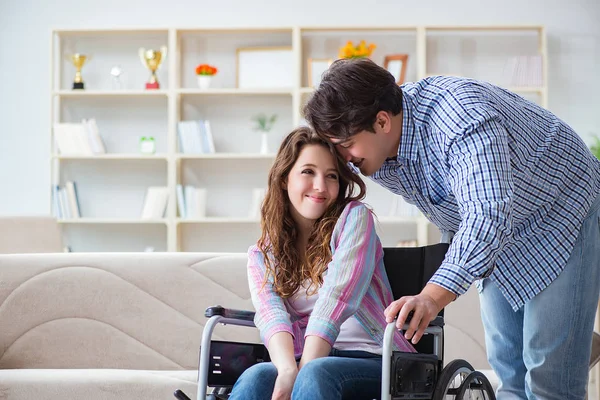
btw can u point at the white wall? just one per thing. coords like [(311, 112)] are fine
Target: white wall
[(25, 25)]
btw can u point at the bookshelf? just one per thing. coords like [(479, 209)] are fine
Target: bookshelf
[(111, 186)]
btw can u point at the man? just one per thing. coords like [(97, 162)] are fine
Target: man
[(517, 187)]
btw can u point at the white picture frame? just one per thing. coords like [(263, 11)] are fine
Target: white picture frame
[(395, 64), (315, 69), (265, 67)]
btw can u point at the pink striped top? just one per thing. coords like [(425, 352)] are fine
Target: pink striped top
[(355, 284)]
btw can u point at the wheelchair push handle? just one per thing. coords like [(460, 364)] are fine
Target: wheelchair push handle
[(229, 313)]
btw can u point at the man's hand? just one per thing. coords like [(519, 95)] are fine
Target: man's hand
[(425, 307), (284, 384)]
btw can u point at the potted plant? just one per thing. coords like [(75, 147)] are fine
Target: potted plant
[(595, 148), (357, 51), (205, 73), (263, 125)]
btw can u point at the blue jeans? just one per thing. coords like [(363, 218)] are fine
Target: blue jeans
[(342, 375), (542, 351)]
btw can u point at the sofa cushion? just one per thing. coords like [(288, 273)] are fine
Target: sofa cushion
[(95, 384), (141, 311)]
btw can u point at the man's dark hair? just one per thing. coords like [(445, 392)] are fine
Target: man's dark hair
[(351, 93)]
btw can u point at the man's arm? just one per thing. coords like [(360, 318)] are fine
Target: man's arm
[(480, 177)]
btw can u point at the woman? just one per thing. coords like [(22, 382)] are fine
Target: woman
[(317, 280)]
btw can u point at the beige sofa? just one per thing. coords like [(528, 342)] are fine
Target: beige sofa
[(127, 325)]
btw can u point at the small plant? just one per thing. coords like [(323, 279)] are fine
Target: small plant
[(264, 123), (359, 51), (595, 148), (206, 69)]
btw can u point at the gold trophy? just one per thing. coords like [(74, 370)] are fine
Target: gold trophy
[(78, 60), (152, 60)]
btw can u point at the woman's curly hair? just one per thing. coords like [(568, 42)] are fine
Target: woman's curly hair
[(284, 264)]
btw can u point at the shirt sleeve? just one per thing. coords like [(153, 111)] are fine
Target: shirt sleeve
[(271, 314), (355, 247), (480, 177)]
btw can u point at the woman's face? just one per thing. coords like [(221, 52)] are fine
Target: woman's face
[(312, 184)]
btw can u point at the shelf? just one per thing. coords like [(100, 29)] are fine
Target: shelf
[(112, 188), (109, 93), (111, 32), (484, 28), (111, 221), (218, 220), (235, 91), (223, 30), (248, 156), (113, 156), (398, 220)]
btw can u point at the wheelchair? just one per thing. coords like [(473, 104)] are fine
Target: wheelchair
[(405, 376)]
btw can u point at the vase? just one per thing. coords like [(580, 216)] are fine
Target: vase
[(204, 81), (264, 143)]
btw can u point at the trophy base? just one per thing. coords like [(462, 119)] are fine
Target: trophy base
[(78, 85), (154, 85)]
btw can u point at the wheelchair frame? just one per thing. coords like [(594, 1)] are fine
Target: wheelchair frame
[(220, 315)]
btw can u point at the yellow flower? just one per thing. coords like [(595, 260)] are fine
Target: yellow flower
[(360, 50)]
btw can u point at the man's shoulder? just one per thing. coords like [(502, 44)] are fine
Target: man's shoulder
[(435, 88), (448, 103)]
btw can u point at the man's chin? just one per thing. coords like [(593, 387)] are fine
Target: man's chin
[(365, 171)]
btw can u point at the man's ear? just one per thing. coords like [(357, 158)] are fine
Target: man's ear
[(383, 122)]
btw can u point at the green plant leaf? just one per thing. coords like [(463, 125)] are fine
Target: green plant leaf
[(595, 148)]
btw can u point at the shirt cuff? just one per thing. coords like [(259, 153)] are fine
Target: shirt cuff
[(453, 278), (324, 328)]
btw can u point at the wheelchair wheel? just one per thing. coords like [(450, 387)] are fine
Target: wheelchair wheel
[(450, 380), (476, 386)]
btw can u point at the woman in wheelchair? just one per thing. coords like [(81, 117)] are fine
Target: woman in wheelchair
[(317, 280)]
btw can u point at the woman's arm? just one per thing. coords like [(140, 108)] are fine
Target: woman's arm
[(271, 315), (314, 347), (281, 350), (349, 275)]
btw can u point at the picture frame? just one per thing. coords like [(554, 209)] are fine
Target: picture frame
[(315, 69), (396, 65), (264, 67)]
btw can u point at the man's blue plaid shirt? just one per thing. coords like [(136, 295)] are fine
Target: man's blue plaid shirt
[(510, 179)]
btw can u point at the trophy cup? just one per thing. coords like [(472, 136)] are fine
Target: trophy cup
[(78, 60), (152, 60)]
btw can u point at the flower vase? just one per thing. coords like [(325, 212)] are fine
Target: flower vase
[(204, 81), (264, 143)]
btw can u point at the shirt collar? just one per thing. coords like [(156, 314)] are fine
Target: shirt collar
[(408, 138)]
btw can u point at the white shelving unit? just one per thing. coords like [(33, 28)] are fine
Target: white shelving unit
[(112, 186)]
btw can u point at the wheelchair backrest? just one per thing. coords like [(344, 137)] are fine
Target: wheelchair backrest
[(410, 268)]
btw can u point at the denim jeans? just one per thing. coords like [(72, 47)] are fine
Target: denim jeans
[(343, 375), (542, 351)]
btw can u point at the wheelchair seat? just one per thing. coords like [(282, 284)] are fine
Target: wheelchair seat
[(420, 375)]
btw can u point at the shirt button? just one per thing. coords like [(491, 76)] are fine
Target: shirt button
[(414, 192)]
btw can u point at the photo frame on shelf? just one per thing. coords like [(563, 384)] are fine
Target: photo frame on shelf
[(265, 67), (396, 65), (315, 69)]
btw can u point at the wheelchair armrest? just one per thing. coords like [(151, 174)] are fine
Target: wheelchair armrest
[(229, 313)]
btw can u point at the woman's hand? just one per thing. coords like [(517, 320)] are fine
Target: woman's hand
[(424, 306), (284, 384)]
